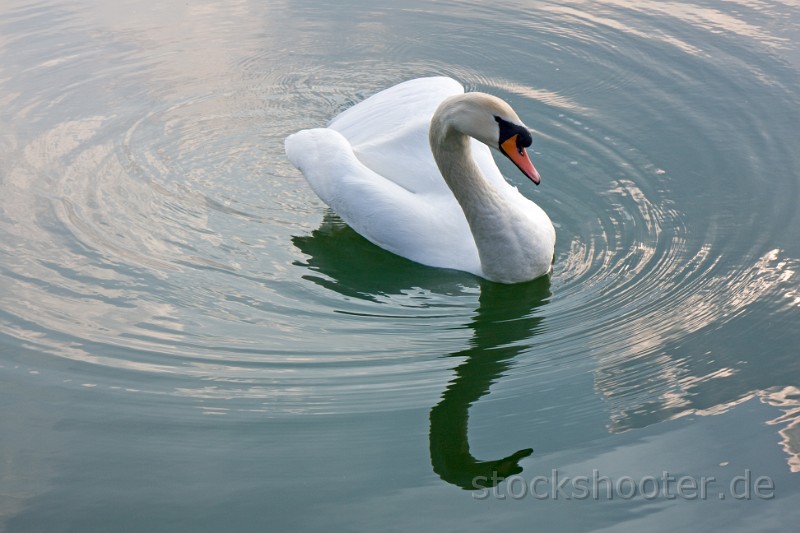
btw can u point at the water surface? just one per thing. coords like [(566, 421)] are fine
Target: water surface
[(190, 339)]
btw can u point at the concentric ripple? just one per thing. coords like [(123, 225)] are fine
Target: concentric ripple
[(157, 242)]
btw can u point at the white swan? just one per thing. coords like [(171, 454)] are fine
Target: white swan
[(401, 170)]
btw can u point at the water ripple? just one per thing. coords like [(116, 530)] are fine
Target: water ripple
[(173, 241)]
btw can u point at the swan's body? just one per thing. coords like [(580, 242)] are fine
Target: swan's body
[(377, 165)]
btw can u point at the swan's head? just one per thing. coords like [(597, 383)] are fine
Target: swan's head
[(493, 122), (512, 140)]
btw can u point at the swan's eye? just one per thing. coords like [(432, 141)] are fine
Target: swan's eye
[(509, 130)]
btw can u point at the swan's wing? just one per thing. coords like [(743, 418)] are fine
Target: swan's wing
[(427, 228), (392, 108), (388, 132)]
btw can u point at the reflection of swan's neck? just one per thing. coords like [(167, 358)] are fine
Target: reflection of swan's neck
[(503, 234)]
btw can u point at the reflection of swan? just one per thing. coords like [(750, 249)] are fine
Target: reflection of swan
[(343, 261), (376, 166), (503, 319)]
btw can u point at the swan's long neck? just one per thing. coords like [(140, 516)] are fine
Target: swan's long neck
[(505, 237)]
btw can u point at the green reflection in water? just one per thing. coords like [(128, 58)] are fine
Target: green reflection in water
[(354, 267), (505, 316), (503, 326)]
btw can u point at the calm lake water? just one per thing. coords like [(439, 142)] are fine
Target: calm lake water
[(191, 340)]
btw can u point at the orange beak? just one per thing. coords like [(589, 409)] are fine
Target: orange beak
[(519, 156)]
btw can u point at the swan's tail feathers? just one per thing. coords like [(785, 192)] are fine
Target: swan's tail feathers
[(314, 153), (353, 191), (327, 161)]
